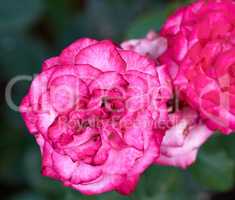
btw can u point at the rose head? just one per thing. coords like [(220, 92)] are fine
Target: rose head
[(152, 45), (183, 133), (182, 139), (93, 111), (201, 59)]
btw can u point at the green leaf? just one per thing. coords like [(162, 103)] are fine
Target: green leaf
[(28, 196), (154, 19), (15, 14), (112, 196), (228, 143), (163, 183), (62, 9), (32, 167), (75, 195), (110, 18), (20, 55), (104, 19), (12, 146), (143, 24), (214, 170)]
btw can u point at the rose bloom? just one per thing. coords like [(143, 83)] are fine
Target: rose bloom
[(93, 111), (184, 132), (152, 45), (182, 139), (201, 59)]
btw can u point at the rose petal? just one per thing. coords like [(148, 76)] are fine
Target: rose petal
[(139, 63), (69, 54), (103, 56), (51, 62)]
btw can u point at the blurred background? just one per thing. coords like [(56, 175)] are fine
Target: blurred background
[(33, 30)]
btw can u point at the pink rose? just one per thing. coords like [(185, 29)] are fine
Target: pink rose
[(201, 58), (184, 133), (93, 111), (153, 45), (182, 139)]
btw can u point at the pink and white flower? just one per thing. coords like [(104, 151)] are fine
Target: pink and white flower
[(93, 111), (152, 45), (200, 58), (182, 139)]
